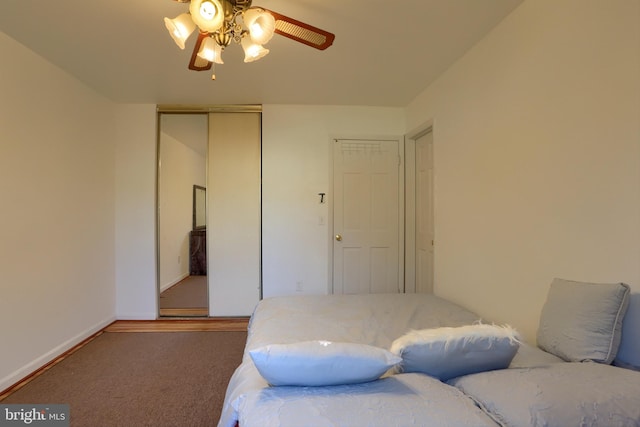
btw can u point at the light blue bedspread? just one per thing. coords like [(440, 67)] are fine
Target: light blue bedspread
[(368, 319), (398, 400)]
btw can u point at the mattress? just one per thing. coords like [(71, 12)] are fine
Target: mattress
[(538, 389), (373, 319)]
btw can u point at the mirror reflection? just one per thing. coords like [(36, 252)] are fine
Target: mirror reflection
[(182, 232), (199, 207)]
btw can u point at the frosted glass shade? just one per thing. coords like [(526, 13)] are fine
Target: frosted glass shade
[(211, 51), (261, 25), (252, 51), (180, 28)]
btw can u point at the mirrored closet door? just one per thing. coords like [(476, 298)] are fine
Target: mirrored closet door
[(209, 200)]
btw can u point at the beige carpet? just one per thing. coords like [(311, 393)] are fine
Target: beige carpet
[(190, 292), (142, 379)]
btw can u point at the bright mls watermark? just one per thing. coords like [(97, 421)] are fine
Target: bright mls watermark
[(34, 415)]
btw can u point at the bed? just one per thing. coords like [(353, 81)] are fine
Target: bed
[(571, 382)]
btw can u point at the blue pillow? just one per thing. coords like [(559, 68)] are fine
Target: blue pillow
[(629, 351), (582, 321), (446, 352), (321, 363)]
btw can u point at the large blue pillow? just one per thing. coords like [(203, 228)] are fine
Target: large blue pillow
[(446, 352), (582, 321), (321, 363), (557, 394)]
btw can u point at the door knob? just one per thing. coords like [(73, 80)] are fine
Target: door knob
[(339, 237)]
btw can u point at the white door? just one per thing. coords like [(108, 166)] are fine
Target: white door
[(366, 217), (424, 213)]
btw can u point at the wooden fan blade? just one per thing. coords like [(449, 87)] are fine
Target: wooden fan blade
[(301, 32), (197, 63)]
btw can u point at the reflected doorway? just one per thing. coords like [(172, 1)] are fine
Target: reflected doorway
[(182, 229)]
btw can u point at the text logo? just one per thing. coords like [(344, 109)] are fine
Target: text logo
[(34, 415)]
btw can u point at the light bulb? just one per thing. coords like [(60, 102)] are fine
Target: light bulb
[(208, 10), (256, 30), (207, 14)]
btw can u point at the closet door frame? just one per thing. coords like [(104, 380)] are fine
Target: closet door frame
[(226, 298)]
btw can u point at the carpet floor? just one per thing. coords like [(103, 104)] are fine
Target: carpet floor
[(141, 379), (190, 292)]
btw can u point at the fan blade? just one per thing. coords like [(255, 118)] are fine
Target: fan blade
[(197, 63), (301, 32)]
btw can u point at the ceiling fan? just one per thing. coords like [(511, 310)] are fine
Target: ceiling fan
[(219, 24)]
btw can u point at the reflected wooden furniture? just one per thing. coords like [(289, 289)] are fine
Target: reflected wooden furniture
[(198, 253)]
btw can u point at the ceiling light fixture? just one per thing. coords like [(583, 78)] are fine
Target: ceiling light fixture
[(180, 28), (222, 21)]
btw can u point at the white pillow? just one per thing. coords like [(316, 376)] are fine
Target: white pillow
[(448, 352), (321, 363)]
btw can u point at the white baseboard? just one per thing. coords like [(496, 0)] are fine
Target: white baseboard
[(137, 316), (41, 361)]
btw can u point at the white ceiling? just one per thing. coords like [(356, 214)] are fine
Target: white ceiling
[(384, 54)]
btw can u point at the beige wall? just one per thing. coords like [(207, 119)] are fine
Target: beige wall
[(135, 212), (537, 157), (295, 167), (56, 217), (296, 159)]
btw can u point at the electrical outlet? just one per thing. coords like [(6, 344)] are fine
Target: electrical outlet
[(299, 287)]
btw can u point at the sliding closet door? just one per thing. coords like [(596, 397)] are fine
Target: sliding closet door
[(233, 214)]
